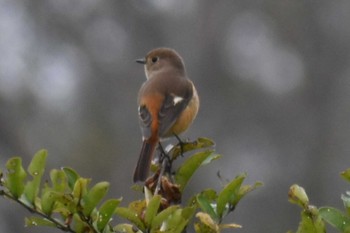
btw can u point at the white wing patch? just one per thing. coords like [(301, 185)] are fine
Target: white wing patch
[(177, 99)]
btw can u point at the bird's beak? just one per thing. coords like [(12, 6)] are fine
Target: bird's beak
[(141, 60)]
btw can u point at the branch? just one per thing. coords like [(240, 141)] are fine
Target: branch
[(58, 224)]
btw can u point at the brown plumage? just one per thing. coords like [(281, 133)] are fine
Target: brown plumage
[(168, 103)]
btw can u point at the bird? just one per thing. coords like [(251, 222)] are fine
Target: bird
[(167, 103)]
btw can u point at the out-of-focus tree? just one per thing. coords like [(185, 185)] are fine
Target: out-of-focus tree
[(272, 77)]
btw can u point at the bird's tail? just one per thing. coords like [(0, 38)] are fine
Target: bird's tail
[(145, 159)]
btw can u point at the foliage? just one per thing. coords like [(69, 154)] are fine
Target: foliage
[(69, 202), (313, 219)]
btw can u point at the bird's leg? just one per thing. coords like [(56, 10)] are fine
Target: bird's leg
[(161, 173), (181, 144), (165, 166), (162, 154)]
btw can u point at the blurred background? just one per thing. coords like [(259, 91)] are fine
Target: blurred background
[(273, 78)]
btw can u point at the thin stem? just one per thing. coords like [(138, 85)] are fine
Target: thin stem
[(37, 212), (161, 173)]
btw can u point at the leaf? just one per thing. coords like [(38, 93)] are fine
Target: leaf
[(94, 196), (72, 176), (64, 203), (130, 215), (106, 211), (148, 194), (79, 225), (80, 188), (185, 172), (47, 201), (184, 147), (205, 142), (36, 170), (209, 194), (346, 201), (311, 221), (229, 225), (162, 216), (152, 209), (59, 180), (248, 188), (178, 221), (207, 207), (138, 206), (346, 175), (175, 223), (336, 218), (16, 176), (208, 221), (37, 221), (229, 195), (37, 165), (245, 189)]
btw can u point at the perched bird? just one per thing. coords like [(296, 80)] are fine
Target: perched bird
[(168, 103)]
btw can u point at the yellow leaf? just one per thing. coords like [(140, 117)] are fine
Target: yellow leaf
[(207, 220), (230, 225)]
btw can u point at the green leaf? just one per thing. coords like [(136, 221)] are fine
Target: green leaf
[(51, 194), (36, 170), (346, 174), (174, 222), (80, 187), (138, 206), (79, 225), (209, 194), (188, 212), (47, 201), (206, 205), (179, 219), (162, 216), (346, 201), (336, 218), (152, 209), (72, 176), (94, 196), (205, 142), (229, 195), (132, 216), (64, 203), (37, 221), (188, 168), (244, 190), (16, 176), (59, 180), (311, 221), (184, 147), (37, 165), (105, 212)]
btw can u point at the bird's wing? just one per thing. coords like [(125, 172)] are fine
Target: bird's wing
[(172, 107)]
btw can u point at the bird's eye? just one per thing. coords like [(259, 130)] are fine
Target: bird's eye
[(155, 59)]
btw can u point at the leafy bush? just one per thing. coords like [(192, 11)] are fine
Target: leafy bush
[(313, 219), (68, 202)]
